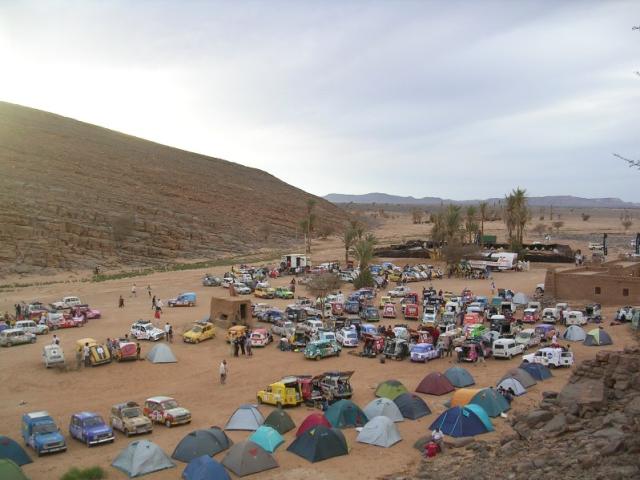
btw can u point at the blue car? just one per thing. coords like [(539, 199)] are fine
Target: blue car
[(40, 432), (90, 428), (352, 307)]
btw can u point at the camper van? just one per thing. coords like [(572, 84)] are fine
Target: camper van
[(294, 260), (495, 261)]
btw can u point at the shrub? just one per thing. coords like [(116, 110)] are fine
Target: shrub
[(364, 279), (91, 473)]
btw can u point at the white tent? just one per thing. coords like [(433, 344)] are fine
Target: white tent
[(520, 299), (379, 431), (513, 384), (142, 457), (383, 407), (574, 333), (246, 417), (161, 353)]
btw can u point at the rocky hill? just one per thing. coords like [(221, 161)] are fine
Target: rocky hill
[(75, 195)]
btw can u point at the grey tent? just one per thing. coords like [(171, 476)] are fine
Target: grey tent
[(522, 376), (513, 384), (459, 377), (574, 333), (201, 442), (142, 457), (246, 458), (246, 417), (280, 421), (383, 407), (161, 353), (520, 299), (412, 406), (379, 431)]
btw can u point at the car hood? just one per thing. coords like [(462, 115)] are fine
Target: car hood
[(44, 438), (178, 411), (98, 430), (137, 421)]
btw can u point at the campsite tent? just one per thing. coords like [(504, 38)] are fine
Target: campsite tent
[(161, 353), (12, 450), (513, 384), (383, 407), (280, 421), (464, 421), (597, 337), (142, 457), (344, 414), (10, 471), (311, 421), (536, 370), (522, 376), (435, 384), (412, 406), (245, 458), (201, 442), (489, 399), (319, 443), (246, 417), (267, 437), (205, 468), (459, 377), (520, 299), (379, 431), (390, 389), (574, 333)]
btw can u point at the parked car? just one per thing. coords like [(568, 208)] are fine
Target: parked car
[(545, 331), (261, 337), (396, 348), (352, 307), (530, 315), (370, 314), (286, 392), (398, 292), (575, 317), (145, 330), (52, 355), (236, 331), (87, 312), (551, 357), (187, 299), (270, 315), (507, 348), (423, 352), (56, 321), (528, 338), (549, 315), (624, 314), (40, 432), (90, 428), (265, 292), (129, 418), (66, 302), (15, 336), (389, 311), (283, 328), (200, 332), (312, 325), (318, 349), (241, 288), (125, 350), (32, 327), (347, 337), (166, 410), (98, 354), (211, 281), (284, 292)]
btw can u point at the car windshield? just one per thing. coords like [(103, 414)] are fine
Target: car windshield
[(420, 348), (169, 404), (131, 412), (351, 335), (93, 421), (45, 428)]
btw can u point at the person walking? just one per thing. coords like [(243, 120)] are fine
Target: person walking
[(78, 358), (247, 345), (481, 356), (224, 371), (236, 347), (86, 355), (159, 304), (121, 302), (170, 333), (55, 340), (153, 303), (167, 328), (133, 290), (149, 290), (138, 350)]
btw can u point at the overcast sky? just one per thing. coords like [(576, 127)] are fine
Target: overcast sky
[(453, 99)]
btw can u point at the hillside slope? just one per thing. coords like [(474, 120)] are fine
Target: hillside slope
[(74, 195)]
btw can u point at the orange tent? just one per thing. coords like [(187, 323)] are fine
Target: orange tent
[(463, 396)]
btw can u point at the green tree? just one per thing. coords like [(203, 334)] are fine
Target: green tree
[(353, 231), (470, 223), (483, 208), (516, 216), (363, 251)]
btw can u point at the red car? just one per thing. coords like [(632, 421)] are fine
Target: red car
[(411, 312), (65, 322), (530, 315), (89, 313)]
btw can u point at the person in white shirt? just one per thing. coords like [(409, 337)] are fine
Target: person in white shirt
[(55, 340), (167, 329), (133, 290), (437, 438), (223, 370), (554, 340)]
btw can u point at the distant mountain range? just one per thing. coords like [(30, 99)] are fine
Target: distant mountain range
[(554, 200)]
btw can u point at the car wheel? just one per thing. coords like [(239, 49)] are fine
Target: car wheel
[(317, 357), (33, 340), (127, 432), (9, 344), (167, 424)]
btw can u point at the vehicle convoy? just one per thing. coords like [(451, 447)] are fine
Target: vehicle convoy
[(187, 299), (129, 419), (166, 410), (286, 392), (90, 428), (52, 355), (319, 349), (98, 354), (145, 330), (15, 336), (200, 332), (507, 348), (550, 357), (66, 302), (40, 432), (32, 327)]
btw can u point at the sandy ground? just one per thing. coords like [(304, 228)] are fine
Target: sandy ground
[(28, 386)]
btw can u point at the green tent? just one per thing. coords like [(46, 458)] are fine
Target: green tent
[(391, 389), (280, 421), (345, 413), (597, 337), (319, 443), (13, 451), (10, 471)]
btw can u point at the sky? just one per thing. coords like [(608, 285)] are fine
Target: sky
[(456, 99)]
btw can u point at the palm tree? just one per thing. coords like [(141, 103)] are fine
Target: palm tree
[(363, 250), (470, 224), (484, 209), (516, 216), (453, 223), (353, 231)]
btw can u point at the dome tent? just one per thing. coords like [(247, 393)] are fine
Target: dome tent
[(312, 420), (246, 417), (390, 389), (574, 333), (12, 450), (597, 337), (435, 384), (161, 353), (459, 377), (280, 421), (379, 431), (319, 443), (522, 376), (385, 408), (412, 406), (201, 442), (344, 414), (536, 370), (267, 437), (142, 457), (246, 458), (9, 470), (513, 384), (466, 421), (489, 399), (205, 468)]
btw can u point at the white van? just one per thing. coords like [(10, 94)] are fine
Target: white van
[(507, 348), (575, 317)]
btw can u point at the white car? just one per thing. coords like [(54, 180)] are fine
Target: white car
[(625, 314), (506, 348), (312, 325), (575, 317), (32, 327), (528, 338), (241, 288), (347, 337), (145, 330), (226, 281), (429, 314), (66, 302), (399, 292), (549, 315), (550, 357)]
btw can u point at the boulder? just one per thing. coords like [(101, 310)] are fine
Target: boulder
[(556, 425), (537, 416), (458, 442), (584, 393), (633, 407)]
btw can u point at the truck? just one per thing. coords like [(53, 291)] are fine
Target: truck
[(294, 261), (40, 432), (187, 299), (286, 392)]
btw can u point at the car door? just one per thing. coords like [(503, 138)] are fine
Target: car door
[(75, 428)]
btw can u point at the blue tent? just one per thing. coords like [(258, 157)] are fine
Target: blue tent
[(491, 402), (205, 468), (536, 370), (344, 414), (464, 421), (267, 437), (12, 450), (459, 377)]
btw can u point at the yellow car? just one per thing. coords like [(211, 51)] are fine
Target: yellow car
[(395, 276), (265, 292), (199, 332), (384, 300), (98, 354), (235, 332), (285, 392)]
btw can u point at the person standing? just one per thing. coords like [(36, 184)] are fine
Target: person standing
[(138, 350), (248, 345), (55, 340), (153, 303), (224, 371), (149, 290), (242, 341), (133, 290), (170, 333), (121, 302), (79, 357), (167, 329), (236, 347), (86, 355), (159, 304)]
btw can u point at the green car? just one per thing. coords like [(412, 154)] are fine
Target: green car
[(284, 292), (320, 349)]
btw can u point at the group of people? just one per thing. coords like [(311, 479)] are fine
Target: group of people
[(242, 343)]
